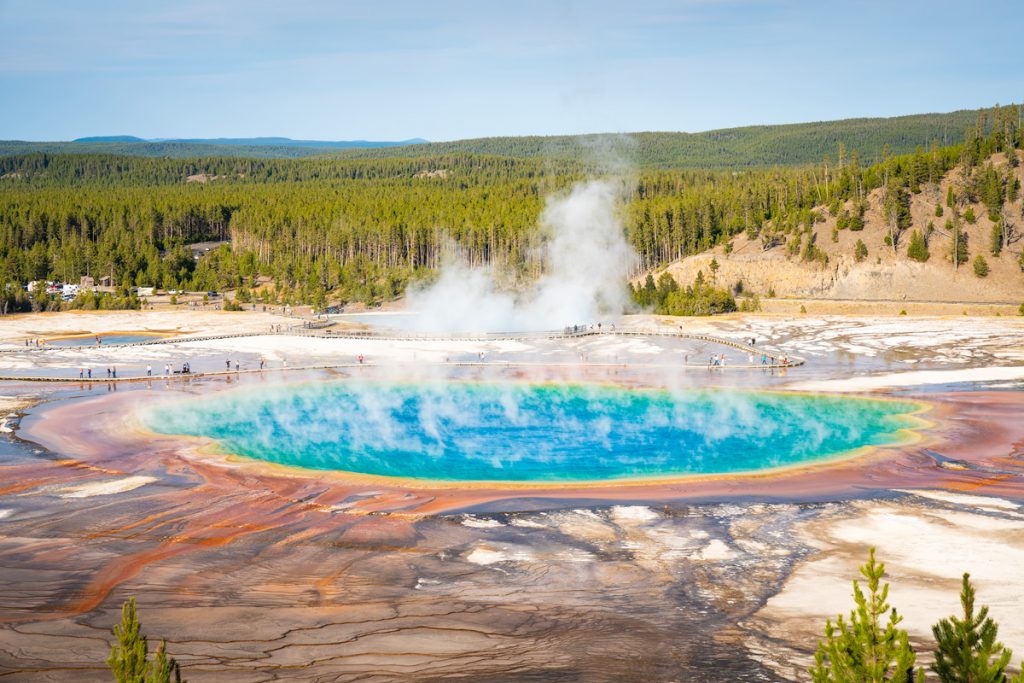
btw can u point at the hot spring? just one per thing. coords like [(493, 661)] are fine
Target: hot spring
[(518, 432)]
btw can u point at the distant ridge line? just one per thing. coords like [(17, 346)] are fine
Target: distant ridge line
[(256, 142), (756, 146)]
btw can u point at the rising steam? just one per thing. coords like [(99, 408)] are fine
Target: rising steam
[(586, 264), (519, 431)]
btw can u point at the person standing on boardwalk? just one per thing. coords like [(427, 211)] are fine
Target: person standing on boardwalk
[(81, 373), (89, 372), (149, 370)]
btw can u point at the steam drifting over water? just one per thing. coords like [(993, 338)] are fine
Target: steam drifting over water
[(586, 264), (530, 432)]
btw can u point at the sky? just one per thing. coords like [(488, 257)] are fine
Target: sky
[(444, 70)]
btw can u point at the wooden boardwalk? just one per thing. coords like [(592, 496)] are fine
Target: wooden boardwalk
[(773, 360)]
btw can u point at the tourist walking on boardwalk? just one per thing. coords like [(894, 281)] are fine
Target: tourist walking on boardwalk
[(89, 372), (227, 364), (115, 372), (236, 366), (149, 370), (262, 363), (108, 373), (81, 373)]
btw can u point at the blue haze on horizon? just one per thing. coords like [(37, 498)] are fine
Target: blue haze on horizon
[(445, 70)]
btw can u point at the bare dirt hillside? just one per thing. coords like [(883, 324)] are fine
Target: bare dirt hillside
[(883, 275)]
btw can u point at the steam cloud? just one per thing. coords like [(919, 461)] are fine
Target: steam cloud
[(586, 264), (519, 431)]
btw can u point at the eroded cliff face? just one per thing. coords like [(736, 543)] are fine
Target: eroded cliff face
[(844, 278), (885, 273)]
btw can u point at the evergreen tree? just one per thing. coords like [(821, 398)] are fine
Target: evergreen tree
[(649, 296), (897, 210), (127, 659), (996, 244), (666, 285), (966, 648), (860, 252), (918, 249), (163, 669), (958, 249), (862, 650), (980, 266)]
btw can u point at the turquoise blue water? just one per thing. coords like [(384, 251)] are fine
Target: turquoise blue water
[(529, 432), (104, 338)]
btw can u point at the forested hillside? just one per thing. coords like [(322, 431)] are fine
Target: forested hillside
[(753, 146), (248, 148), (159, 149), (329, 229), (748, 147)]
